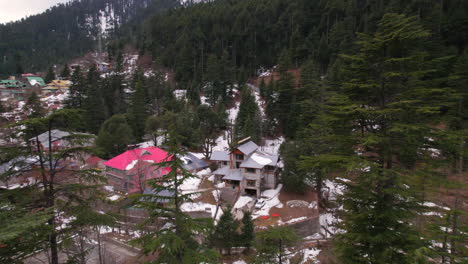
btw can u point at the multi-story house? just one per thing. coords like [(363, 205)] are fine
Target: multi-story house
[(247, 168), (130, 170)]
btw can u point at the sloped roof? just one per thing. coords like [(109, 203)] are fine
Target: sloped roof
[(248, 147), (36, 80), (56, 135), (128, 159), (220, 156), (191, 162), (221, 171), (259, 160), (233, 175)]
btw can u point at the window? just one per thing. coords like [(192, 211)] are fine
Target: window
[(240, 156), (238, 164), (270, 168), (250, 170), (225, 163), (251, 183)]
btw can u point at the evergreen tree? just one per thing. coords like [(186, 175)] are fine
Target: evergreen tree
[(390, 117), (210, 127), (248, 118), (50, 75), (272, 243), (114, 136), (225, 234), (176, 241), (38, 208), (77, 90), (248, 230), (94, 104), (33, 106), (65, 72), (138, 111)]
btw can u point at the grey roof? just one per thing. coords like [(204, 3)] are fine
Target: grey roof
[(233, 175), (248, 147), (57, 135), (259, 160), (193, 163), (220, 156), (161, 194), (222, 171)]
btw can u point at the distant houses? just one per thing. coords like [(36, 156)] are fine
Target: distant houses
[(21, 87), (247, 168)]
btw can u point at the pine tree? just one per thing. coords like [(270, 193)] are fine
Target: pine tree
[(248, 121), (176, 241), (272, 243), (33, 106), (138, 111), (390, 106), (39, 207), (94, 104), (225, 234), (65, 72), (50, 75), (77, 90), (248, 228), (210, 125)]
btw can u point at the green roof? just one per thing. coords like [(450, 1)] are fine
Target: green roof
[(12, 83), (36, 80)]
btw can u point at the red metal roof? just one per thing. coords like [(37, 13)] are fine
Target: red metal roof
[(122, 161)]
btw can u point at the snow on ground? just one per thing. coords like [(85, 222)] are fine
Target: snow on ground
[(269, 194), (114, 197), (334, 189), (221, 143), (429, 204), (243, 201), (295, 220), (272, 145), (190, 184), (204, 100), (199, 207), (204, 172), (310, 254), (232, 113), (239, 262), (109, 188), (216, 195), (265, 210)]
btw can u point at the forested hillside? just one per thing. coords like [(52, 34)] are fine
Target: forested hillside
[(69, 30), (368, 99)]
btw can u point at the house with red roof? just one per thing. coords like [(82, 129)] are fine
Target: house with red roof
[(130, 170)]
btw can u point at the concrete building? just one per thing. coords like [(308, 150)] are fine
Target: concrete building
[(247, 168)]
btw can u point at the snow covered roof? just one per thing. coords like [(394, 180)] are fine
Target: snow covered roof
[(220, 156), (248, 147), (259, 160), (233, 175), (36, 81), (191, 162), (128, 159)]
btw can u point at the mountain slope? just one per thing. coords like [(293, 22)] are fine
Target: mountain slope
[(68, 30)]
